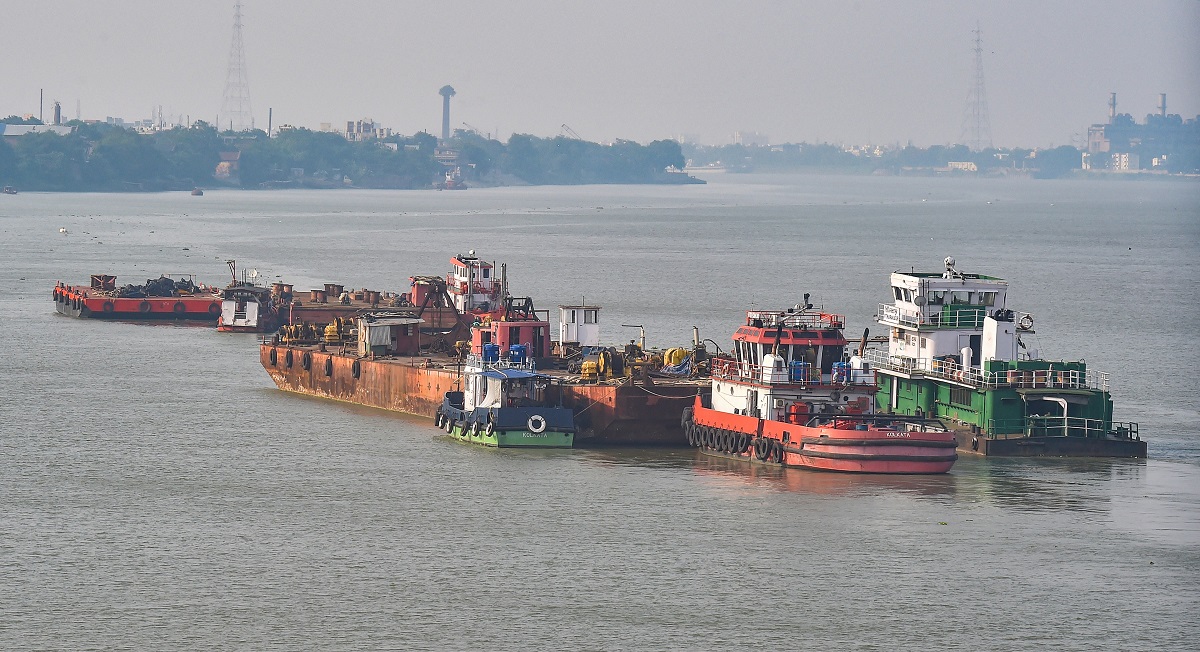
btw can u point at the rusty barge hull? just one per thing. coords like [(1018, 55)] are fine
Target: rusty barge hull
[(625, 414)]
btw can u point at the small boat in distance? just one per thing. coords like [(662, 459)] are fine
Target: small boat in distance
[(790, 396), (9, 190), (197, 192)]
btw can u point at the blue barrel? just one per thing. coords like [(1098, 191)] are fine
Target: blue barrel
[(516, 354), (798, 371), (841, 372), (491, 352)]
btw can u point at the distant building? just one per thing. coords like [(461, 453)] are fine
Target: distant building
[(228, 167), (750, 138), (365, 129), (15, 131), (1123, 144)]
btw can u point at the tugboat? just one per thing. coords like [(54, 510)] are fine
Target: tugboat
[(790, 396), (247, 307), (504, 401), (957, 351)]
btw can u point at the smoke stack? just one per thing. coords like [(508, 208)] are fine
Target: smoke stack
[(1162, 104), (446, 92), (1112, 107), (57, 113)]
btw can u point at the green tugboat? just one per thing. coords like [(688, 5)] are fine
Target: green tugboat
[(956, 352), (505, 402)]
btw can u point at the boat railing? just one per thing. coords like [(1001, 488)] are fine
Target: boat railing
[(1019, 378), (899, 422), (1043, 426), (501, 363), (842, 375), (794, 319), (967, 317)]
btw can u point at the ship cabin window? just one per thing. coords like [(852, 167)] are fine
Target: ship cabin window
[(907, 295), (514, 334), (960, 297), (937, 297), (830, 355), (485, 272), (960, 396), (986, 298), (898, 293), (572, 320), (589, 316)]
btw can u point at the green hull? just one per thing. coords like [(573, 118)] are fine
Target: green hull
[(514, 438), (1000, 421)]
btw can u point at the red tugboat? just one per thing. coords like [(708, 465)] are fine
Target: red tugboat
[(789, 395), (169, 297)]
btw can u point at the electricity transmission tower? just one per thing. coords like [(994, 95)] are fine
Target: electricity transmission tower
[(235, 107), (977, 128)]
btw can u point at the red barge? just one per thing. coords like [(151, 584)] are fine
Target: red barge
[(790, 396), (184, 301)]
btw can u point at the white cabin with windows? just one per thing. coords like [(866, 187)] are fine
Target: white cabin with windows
[(951, 320), (473, 284), (579, 324)]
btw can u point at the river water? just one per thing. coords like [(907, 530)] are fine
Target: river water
[(158, 492)]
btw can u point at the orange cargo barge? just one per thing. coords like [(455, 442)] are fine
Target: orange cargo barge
[(624, 413), (98, 301)]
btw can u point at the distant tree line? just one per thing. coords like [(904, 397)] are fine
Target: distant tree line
[(100, 157), (1046, 163)]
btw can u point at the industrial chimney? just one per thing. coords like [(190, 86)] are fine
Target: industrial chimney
[(1162, 104), (57, 113), (446, 92), (1112, 107)]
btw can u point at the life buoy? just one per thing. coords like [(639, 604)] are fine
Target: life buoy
[(144, 307), (274, 356), (329, 366), (537, 424), (108, 306), (1026, 322), (179, 308), (356, 368), (288, 359), (306, 361), (214, 308)]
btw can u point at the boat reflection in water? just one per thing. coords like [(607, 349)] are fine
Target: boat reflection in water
[(737, 472)]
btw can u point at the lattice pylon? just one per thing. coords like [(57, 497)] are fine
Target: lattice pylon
[(977, 127), (236, 113)]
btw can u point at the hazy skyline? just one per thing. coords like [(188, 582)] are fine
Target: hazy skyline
[(840, 72)]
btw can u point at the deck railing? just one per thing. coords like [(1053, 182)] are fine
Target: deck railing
[(502, 363), (1061, 427), (966, 316), (1022, 378), (842, 376)]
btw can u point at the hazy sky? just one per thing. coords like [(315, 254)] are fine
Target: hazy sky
[(835, 71)]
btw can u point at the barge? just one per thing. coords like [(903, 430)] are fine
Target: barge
[(171, 297), (408, 357), (957, 353)]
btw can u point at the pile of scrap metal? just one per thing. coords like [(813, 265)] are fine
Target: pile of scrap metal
[(163, 286)]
